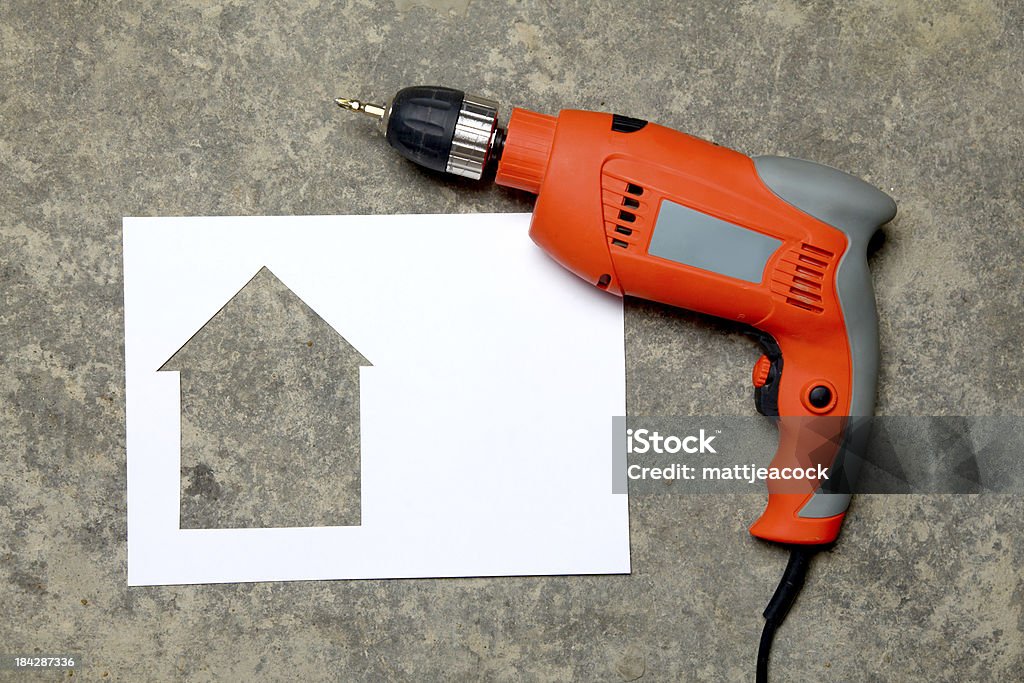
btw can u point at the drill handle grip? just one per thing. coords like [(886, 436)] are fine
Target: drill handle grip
[(809, 432)]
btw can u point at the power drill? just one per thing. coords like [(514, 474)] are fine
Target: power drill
[(775, 243)]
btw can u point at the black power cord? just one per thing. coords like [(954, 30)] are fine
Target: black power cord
[(777, 609)]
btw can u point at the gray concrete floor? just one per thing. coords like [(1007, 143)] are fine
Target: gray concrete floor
[(144, 108)]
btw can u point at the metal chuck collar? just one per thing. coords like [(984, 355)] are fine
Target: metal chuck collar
[(440, 128)]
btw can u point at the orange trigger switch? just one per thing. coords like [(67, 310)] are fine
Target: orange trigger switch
[(761, 369)]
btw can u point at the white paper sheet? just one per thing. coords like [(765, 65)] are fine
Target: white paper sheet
[(485, 417)]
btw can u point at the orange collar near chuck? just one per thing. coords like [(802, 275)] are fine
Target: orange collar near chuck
[(524, 159)]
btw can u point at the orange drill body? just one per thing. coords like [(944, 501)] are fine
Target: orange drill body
[(601, 192)]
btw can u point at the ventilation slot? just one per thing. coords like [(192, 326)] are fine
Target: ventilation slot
[(812, 261), (627, 207), (803, 293), (811, 249), (804, 305), (804, 282), (800, 280)]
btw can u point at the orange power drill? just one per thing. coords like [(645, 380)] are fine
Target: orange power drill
[(642, 210)]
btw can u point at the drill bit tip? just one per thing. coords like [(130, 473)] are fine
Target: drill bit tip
[(375, 110)]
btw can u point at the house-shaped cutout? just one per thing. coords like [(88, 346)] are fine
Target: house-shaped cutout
[(269, 416)]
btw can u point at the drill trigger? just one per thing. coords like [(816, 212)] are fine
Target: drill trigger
[(766, 393)]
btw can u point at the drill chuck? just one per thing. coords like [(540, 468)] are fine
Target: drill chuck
[(475, 131), (442, 129)]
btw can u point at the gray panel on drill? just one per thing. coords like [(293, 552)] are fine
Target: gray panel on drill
[(696, 239), (858, 209)]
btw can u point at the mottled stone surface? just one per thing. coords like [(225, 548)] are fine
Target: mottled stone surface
[(143, 108), (269, 416)]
